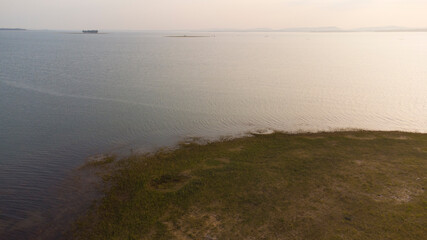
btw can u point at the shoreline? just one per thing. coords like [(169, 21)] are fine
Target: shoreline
[(174, 184), (89, 178)]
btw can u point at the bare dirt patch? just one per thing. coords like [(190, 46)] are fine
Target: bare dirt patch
[(420, 149), (300, 153), (358, 162), (209, 226), (361, 137), (399, 137), (399, 195), (223, 160)]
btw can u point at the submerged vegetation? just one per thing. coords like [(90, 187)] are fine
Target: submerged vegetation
[(342, 185)]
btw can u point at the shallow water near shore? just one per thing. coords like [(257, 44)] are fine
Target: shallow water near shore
[(65, 97)]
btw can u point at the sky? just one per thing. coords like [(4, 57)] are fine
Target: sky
[(210, 14)]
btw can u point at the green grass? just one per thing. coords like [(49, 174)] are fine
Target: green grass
[(342, 185)]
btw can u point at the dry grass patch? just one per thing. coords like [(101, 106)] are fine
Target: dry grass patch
[(196, 224), (313, 137), (170, 182), (236, 149), (223, 160)]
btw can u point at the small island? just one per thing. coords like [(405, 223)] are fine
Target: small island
[(187, 36), (331, 185), (90, 31)]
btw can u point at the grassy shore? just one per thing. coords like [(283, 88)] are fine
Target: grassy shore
[(341, 185)]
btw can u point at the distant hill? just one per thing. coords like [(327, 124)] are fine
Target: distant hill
[(13, 29), (302, 29), (312, 29), (389, 29), (320, 29)]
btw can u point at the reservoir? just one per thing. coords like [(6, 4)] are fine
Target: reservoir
[(65, 97)]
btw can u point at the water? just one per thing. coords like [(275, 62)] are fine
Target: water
[(64, 97)]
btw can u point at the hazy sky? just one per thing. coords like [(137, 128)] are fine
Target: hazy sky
[(202, 14)]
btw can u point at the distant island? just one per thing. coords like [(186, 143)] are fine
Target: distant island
[(13, 29), (90, 31), (186, 36)]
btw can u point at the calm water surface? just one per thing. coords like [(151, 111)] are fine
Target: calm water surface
[(64, 97)]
